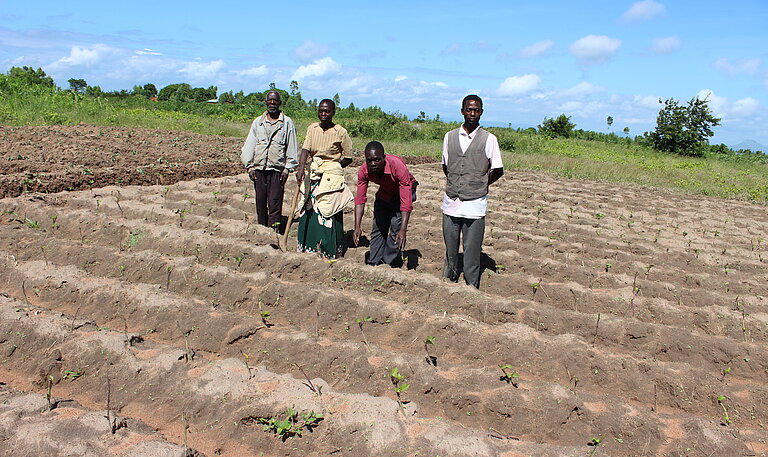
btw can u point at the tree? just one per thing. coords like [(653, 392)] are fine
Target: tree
[(31, 76), (166, 92), (560, 126), (684, 129), (227, 97), (609, 121), (337, 100), (94, 91), (77, 85), (626, 131)]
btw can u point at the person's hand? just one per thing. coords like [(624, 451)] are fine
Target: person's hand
[(284, 177), (345, 161), (356, 236), (252, 174), (400, 240), (300, 176)]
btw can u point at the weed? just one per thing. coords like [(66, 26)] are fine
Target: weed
[(265, 318), (239, 259), (595, 443), (182, 213), (133, 238), (399, 383), (432, 360), (31, 223), (509, 375)]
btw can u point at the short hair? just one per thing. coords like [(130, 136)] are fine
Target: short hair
[(471, 97), (374, 146), (328, 101), (273, 91)]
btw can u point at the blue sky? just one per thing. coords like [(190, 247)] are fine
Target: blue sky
[(526, 59)]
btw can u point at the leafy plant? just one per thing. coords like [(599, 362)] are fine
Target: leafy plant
[(291, 423), (399, 383), (509, 375), (265, 316), (726, 418), (72, 374)]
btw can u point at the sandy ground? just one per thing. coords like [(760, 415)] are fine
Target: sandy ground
[(635, 321)]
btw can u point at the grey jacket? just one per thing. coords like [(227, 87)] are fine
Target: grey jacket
[(468, 172), (278, 152)]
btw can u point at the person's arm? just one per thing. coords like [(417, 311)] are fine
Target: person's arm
[(494, 175), (291, 152), (246, 154), (346, 149), (359, 210), (400, 238), (361, 197), (302, 165)]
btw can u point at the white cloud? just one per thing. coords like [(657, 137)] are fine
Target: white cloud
[(198, 71), (643, 11), (537, 49), (400, 78), (665, 45), (748, 66), (594, 49), (745, 107), (148, 52), (261, 70), (319, 68), (309, 51), (581, 90), (518, 85), (80, 56), (717, 104)]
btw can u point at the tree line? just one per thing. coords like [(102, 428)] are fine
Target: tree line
[(682, 129)]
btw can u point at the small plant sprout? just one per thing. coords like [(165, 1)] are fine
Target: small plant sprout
[(726, 418), (399, 383), (215, 195), (168, 270), (432, 360), (48, 398), (608, 266), (360, 324), (595, 443), (72, 374), (182, 213), (247, 367), (725, 371), (509, 375), (317, 390), (292, 424), (246, 197), (239, 259), (265, 318)]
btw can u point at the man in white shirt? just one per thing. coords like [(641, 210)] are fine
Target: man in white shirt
[(471, 163)]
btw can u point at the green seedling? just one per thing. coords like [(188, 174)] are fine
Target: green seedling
[(726, 418), (509, 375), (595, 443), (168, 270), (215, 195), (265, 316), (190, 353), (54, 224), (432, 360), (725, 371), (31, 223), (360, 324), (291, 424), (239, 259), (608, 266), (399, 383)]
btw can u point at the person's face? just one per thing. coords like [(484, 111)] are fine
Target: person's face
[(472, 111), (273, 103), (374, 160), (325, 112)]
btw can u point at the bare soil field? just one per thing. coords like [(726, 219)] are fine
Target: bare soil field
[(159, 320)]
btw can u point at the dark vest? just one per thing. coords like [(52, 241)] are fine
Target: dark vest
[(468, 172)]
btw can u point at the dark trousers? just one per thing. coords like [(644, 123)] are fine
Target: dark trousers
[(269, 191), (387, 220), (471, 232)]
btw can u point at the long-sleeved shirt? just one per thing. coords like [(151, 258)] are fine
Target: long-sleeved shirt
[(271, 145), (396, 181)]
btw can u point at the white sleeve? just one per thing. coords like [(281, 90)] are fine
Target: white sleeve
[(445, 149), (493, 152)]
